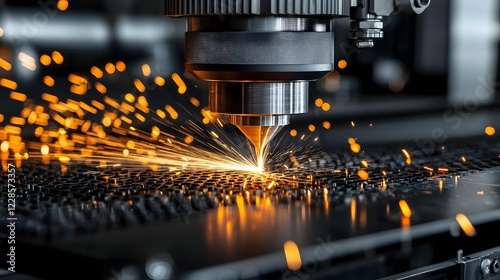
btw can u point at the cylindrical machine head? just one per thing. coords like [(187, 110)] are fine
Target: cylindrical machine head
[(259, 56)]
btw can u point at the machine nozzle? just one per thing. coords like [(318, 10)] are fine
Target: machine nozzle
[(258, 61), (259, 109), (260, 136), (259, 56)]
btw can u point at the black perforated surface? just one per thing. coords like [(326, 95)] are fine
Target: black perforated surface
[(84, 198)]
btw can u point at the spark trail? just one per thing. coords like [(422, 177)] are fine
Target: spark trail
[(127, 128)]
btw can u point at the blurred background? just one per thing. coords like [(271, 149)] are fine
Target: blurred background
[(433, 75), (85, 66)]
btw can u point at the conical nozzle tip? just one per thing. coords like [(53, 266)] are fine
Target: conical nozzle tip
[(259, 136)]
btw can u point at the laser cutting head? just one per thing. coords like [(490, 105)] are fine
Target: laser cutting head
[(259, 56)]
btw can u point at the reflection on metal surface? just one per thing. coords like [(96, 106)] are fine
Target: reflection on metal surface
[(327, 202), (405, 223), (353, 213), (363, 217), (237, 215), (251, 219)]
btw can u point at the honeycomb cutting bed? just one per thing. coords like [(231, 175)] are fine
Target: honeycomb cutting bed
[(79, 198)]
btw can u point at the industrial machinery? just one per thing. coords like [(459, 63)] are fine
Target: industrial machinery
[(114, 169), (259, 56)]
